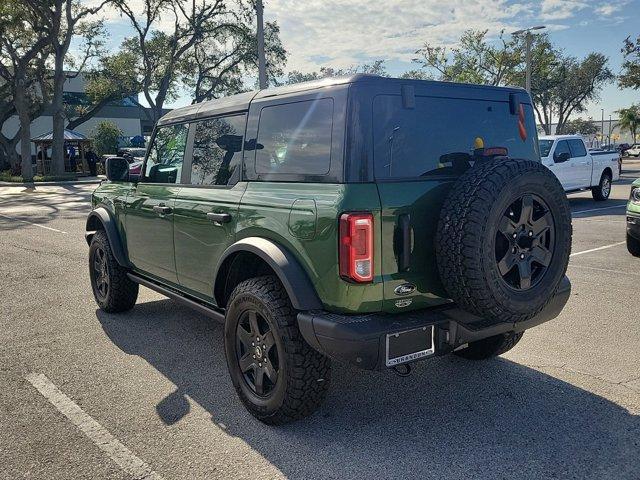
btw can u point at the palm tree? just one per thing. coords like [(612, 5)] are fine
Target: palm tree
[(630, 119)]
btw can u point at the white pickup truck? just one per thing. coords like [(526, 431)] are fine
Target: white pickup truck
[(577, 168)]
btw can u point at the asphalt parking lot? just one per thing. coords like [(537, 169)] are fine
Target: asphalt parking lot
[(146, 394)]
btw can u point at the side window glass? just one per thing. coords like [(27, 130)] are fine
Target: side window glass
[(166, 155), (562, 153), (577, 148), (295, 138), (217, 148)]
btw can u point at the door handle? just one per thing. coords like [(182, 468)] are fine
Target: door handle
[(219, 217), (162, 209)]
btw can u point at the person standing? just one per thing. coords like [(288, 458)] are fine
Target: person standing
[(92, 160)]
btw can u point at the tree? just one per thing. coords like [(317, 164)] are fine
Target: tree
[(475, 60), (112, 80), (218, 64), (105, 137), (579, 126), (630, 120), (23, 54), (162, 53), (64, 20), (630, 76), (376, 67)]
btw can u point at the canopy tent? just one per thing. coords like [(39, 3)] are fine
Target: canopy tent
[(71, 138)]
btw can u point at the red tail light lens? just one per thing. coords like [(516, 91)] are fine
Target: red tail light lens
[(356, 247)]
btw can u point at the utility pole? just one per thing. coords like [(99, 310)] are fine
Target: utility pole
[(528, 40), (609, 130), (262, 66), (602, 128)]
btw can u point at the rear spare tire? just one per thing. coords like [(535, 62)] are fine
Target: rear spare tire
[(503, 239)]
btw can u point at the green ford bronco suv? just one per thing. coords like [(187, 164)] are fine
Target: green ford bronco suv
[(366, 220)]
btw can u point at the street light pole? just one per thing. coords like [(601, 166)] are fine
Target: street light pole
[(262, 66), (528, 40), (602, 128)]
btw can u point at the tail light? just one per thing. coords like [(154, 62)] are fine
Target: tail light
[(356, 247)]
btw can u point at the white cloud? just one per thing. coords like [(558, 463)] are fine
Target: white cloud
[(607, 9), (560, 9), (344, 32)]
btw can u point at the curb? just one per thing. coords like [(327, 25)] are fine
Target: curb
[(49, 184)]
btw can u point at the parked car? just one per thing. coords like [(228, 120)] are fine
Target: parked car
[(634, 150), (366, 220), (633, 220), (133, 154), (577, 168), (135, 168)]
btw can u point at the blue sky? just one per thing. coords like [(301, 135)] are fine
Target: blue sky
[(341, 33)]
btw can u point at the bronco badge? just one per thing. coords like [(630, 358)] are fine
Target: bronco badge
[(405, 289)]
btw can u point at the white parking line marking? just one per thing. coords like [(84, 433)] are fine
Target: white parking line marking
[(596, 249), (597, 209), (31, 223), (99, 435)]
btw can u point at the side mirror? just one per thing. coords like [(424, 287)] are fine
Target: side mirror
[(563, 157), (117, 169)]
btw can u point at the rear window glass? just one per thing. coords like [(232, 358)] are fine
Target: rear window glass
[(445, 136), (295, 138), (545, 147), (577, 148)]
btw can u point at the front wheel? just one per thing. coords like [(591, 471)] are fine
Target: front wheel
[(490, 347), (603, 190), (275, 372), (112, 288), (633, 246)]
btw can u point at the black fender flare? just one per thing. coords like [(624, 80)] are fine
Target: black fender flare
[(100, 217), (295, 280)]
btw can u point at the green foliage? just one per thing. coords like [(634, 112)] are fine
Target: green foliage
[(630, 120), (376, 67), (630, 76), (105, 137), (579, 126)]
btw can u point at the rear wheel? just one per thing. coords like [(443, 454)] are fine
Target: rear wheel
[(113, 290), (633, 246), (276, 374), (490, 347), (602, 191)]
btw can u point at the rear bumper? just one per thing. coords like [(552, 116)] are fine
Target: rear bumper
[(361, 339), (633, 225)]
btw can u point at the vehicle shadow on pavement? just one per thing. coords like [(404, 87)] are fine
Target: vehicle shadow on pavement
[(450, 419)]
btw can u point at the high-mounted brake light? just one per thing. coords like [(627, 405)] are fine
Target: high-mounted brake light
[(356, 247)]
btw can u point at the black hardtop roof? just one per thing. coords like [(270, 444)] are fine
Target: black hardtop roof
[(240, 102)]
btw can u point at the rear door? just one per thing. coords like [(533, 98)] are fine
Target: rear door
[(420, 148), (581, 163), (150, 205), (205, 211)]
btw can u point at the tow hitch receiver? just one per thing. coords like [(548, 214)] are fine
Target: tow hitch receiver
[(410, 345)]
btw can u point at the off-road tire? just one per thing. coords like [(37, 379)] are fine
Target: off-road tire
[(121, 293), (303, 373), (602, 191), (633, 246), (466, 238), (490, 347)]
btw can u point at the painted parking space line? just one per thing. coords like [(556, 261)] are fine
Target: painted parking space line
[(99, 435), (597, 249), (31, 223), (598, 209)]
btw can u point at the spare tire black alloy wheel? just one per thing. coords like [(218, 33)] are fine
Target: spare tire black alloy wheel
[(100, 273), (524, 242), (257, 353)]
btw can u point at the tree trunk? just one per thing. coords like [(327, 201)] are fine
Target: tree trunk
[(57, 106), (22, 108)]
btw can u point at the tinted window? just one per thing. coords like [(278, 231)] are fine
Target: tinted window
[(545, 147), (563, 147), (164, 164), (217, 147), (577, 148), (445, 136), (295, 138)]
